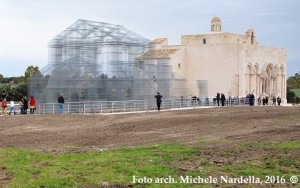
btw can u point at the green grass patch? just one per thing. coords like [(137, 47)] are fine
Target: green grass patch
[(286, 145), (296, 91), (277, 166), (273, 159), (36, 169)]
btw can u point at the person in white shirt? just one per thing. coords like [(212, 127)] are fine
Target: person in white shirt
[(12, 107)]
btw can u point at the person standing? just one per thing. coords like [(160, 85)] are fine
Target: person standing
[(278, 101), (267, 100), (223, 99), (32, 105), (274, 101), (158, 100), (25, 106), (21, 106), (12, 107), (218, 99), (61, 101), (259, 101), (252, 99), (3, 106)]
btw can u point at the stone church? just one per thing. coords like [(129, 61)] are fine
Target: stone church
[(229, 63)]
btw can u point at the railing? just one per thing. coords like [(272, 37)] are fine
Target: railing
[(131, 106)]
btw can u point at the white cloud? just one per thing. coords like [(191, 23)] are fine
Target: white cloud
[(28, 25)]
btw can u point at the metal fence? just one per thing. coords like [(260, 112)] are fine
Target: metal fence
[(129, 106)]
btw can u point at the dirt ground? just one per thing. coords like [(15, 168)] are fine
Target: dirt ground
[(90, 132), (79, 132)]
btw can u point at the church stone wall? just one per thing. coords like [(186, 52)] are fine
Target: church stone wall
[(216, 63), (233, 64)]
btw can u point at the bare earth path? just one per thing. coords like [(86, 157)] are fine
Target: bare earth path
[(56, 133)]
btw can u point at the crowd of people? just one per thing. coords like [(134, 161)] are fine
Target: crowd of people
[(250, 99), (24, 105), (220, 98)]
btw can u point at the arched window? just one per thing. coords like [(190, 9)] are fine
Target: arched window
[(204, 41)]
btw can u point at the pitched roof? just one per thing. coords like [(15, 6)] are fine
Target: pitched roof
[(158, 41), (158, 53), (86, 30)]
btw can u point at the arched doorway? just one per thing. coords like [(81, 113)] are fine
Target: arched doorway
[(269, 81)]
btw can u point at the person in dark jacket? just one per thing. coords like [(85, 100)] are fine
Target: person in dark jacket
[(61, 101), (158, 100), (25, 104), (218, 99), (267, 100), (251, 99), (278, 101), (274, 101), (223, 99)]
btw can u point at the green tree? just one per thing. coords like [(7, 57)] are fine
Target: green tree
[(297, 100), (293, 82), (20, 91), (14, 88), (290, 96), (18, 80), (1, 78), (31, 70), (4, 90)]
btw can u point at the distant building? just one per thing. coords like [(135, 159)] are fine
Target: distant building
[(91, 61), (233, 64)]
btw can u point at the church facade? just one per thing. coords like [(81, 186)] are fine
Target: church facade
[(223, 62)]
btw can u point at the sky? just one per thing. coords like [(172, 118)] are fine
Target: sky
[(26, 26)]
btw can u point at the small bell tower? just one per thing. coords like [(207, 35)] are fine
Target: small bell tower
[(216, 25)]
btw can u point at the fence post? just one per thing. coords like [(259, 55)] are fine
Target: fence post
[(52, 108), (44, 107), (112, 107), (84, 107), (101, 107), (124, 106), (68, 108)]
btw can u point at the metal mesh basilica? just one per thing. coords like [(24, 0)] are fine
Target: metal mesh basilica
[(98, 61)]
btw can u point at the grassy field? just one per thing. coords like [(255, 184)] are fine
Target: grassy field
[(170, 161), (296, 91)]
